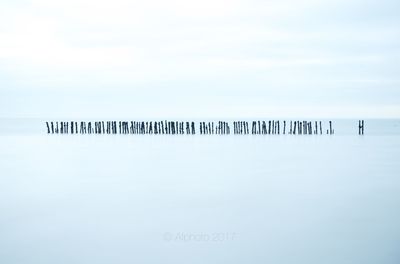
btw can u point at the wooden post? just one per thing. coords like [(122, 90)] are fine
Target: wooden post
[(284, 127), (279, 128), (294, 127), (48, 127), (361, 127), (320, 127), (300, 126), (316, 128), (269, 127)]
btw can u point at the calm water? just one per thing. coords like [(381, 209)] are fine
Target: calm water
[(200, 199)]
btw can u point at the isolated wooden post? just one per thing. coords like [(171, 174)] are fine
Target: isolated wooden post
[(361, 127)]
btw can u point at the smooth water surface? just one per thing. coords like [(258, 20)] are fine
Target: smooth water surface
[(200, 199)]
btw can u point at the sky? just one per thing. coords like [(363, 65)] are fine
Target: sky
[(197, 59)]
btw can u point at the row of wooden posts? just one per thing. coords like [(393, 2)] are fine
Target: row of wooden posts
[(121, 127), (259, 127), (277, 127)]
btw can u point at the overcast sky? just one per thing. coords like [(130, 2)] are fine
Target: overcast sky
[(209, 58)]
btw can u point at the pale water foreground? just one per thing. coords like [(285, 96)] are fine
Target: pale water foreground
[(200, 199)]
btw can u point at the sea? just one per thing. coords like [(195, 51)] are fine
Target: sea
[(137, 199)]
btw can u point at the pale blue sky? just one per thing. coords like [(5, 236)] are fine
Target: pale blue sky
[(210, 58)]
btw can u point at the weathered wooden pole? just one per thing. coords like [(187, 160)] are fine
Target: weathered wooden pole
[(320, 127), (284, 127), (294, 127), (279, 127), (361, 127), (48, 127)]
